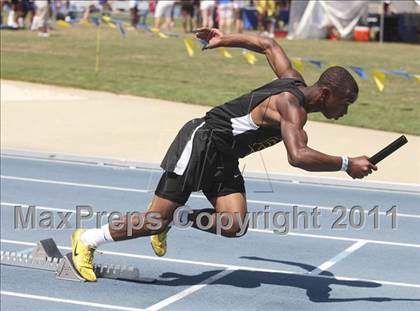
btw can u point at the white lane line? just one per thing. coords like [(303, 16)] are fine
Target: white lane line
[(65, 183), (327, 208), (303, 235), (106, 163), (68, 301), (224, 266), (288, 178), (339, 238), (46, 208), (340, 256), (199, 196), (188, 291)]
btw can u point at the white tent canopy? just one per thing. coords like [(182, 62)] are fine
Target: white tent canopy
[(310, 19)]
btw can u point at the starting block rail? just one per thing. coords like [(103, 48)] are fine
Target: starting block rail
[(47, 256)]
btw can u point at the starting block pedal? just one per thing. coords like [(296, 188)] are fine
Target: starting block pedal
[(47, 256)]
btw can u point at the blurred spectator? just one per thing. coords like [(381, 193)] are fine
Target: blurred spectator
[(72, 11), (134, 12), (62, 9), (197, 14), (207, 8), (28, 9), (225, 8), (42, 15), (139, 10), (187, 14), (1, 13), (105, 7), (164, 9), (102, 6), (238, 9), (12, 17), (388, 8), (3, 5), (266, 12), (172, 24), (282, 18)]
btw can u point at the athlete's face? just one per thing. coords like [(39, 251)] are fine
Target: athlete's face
[(335, 107)]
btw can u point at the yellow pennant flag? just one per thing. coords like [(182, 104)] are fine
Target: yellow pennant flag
[(298, 64), (106, 19), (112, 25), (417, 77), (159, 33), (189, 45), (63, 24), (250, 58), (379, 78), (225, 53)]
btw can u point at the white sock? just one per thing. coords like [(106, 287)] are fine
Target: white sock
[(96, 237)]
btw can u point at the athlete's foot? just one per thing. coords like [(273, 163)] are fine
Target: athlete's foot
[(82, 256), (158, 242)]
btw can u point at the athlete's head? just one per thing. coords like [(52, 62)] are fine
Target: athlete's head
[(338, 90)]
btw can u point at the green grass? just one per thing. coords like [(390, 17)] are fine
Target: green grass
[(145, 65)]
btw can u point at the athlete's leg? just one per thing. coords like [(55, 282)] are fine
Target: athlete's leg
[(84, 242), (154, 221), (227, 218)]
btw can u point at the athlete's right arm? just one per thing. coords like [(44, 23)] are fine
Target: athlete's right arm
[(302, 156), (276, 56)]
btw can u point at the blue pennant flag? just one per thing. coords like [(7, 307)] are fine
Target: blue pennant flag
[(172, 34), (360, 72), (144, 27), (398, 72), (317, 63)]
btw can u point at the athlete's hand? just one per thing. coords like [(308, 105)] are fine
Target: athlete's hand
[(360, 167), (212, 36)]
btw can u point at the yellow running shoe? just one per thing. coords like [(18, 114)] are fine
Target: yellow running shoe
[(82, 256), (158, 242)]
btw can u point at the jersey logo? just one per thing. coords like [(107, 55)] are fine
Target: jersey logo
[(264, 144)]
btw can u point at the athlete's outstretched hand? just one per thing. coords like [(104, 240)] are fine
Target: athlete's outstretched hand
[(360, 167), (212, 36)]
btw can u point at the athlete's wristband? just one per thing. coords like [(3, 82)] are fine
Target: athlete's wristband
[(344, 163)]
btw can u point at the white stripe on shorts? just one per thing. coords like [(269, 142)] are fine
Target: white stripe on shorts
[(182, 163)]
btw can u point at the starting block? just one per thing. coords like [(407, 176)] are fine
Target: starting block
[(47, 256)]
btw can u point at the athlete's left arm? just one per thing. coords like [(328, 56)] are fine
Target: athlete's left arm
[(276, 56)]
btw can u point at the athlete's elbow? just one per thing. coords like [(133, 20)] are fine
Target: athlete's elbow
[(268, 44), (295, 160), (300, 159)]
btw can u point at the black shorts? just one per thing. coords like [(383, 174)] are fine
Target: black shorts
[(194, 163)]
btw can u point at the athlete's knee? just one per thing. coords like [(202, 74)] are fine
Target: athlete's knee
[(235, 230), (158, 222)]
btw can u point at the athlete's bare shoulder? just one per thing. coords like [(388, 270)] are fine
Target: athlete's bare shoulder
[(290, 109), (292, 73)]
